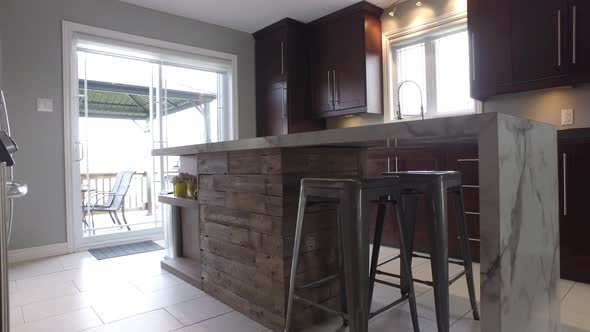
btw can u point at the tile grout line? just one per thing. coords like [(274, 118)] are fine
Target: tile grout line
[(568, 292), (176, 319), (204, 320), (97, 315)]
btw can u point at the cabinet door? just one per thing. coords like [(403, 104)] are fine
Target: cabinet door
[(580, 44), (538, 39), (322, 67), (574, 163), (489, 36), (349, 74), (272, 118), (271, 56)]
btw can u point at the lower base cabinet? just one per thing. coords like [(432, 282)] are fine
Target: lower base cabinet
[(574, 220)]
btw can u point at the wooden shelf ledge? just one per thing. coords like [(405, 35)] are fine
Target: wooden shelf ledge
[(182, 202), (185, 269)]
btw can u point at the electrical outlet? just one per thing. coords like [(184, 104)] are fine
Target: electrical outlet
[(567, 117), (44, 105)]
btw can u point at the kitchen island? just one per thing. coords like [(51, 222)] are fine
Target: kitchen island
[(248, 192)]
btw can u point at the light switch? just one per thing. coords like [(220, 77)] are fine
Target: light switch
[(44, 105), (567, 117)]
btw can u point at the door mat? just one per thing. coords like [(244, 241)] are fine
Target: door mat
[(125, 250)]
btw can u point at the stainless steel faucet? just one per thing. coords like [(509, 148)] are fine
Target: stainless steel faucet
[(399, 104)]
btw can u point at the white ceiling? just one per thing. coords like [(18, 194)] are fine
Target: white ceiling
[(249, 15)]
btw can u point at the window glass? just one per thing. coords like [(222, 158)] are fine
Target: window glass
[(439, 65), (411, 66), (452, 74)]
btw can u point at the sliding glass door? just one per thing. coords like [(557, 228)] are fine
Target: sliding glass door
[(128, 104)]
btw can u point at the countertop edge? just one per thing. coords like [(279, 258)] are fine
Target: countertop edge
[(452, 128)]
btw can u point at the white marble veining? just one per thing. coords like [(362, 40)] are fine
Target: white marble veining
[(519, 226)]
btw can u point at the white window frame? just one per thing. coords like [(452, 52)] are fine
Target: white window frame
[(69, 32), (426, 33)]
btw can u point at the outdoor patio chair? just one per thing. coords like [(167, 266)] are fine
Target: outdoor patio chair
[(114, 200)]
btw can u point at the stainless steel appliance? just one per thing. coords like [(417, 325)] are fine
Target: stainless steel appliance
[(9, 189)]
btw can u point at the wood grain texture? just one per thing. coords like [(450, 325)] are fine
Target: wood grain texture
[(248, 207)]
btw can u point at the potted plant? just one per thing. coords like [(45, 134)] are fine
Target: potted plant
[(180, 185)]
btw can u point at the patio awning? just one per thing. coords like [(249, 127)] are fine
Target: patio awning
[(121, 101)]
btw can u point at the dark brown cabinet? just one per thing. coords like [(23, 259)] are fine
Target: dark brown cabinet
[(345, 58), (282, 80), (524, 45), (579, 11), (538, 27), (489, 31), (574, 181)]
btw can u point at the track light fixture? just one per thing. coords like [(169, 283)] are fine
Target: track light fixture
[(391, 10)]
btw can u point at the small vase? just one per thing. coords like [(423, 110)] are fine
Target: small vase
[(180, 190)]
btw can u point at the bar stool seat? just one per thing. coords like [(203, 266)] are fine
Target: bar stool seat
[(434, 185), (353, 198)]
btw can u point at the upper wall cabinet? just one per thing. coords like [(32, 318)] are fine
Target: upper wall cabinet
[(579, 11), (526, 44), (282, 80), (346, 62)]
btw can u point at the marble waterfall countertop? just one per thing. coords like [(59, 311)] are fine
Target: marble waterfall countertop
[(430, 131), (518, 193)]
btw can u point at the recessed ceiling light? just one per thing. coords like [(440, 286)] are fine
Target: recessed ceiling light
[(419, 3)]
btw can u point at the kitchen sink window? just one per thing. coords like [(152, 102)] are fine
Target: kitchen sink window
[(439, 65)]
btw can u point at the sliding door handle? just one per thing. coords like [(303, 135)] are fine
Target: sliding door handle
[(80, 152)]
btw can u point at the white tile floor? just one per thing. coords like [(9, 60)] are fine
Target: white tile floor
[(78, 293)]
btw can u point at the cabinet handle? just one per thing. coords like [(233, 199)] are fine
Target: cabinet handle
[(330, 95), (473, 56), (284, 104), (564, 184), (334, 86), (574, 27), (282, 58), (559, 37)]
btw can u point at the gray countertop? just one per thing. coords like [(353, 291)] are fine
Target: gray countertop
[(454, 129)]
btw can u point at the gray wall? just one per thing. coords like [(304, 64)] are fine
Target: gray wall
[(542, 105), (32, 62)]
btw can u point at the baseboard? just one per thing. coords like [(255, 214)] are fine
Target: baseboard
[(28, 254)]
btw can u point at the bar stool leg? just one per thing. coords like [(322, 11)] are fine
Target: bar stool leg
[(376, 248), (343, 304), (408, 203), (295, 260), (405, 257), (355, 242), (439, 254), (465, 251)]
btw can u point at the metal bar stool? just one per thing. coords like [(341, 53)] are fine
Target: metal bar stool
[(435, 186), (354, 198)]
